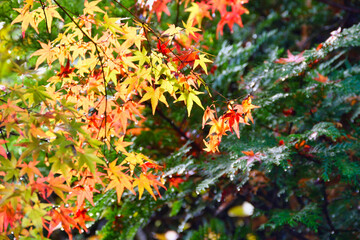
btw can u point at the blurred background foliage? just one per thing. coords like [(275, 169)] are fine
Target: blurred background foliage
[(306, 185)]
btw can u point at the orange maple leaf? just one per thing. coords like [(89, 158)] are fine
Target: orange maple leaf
[(159, 6), (291, 58), (321, 78)]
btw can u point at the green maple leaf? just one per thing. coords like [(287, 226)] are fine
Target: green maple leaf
[(189, 97)]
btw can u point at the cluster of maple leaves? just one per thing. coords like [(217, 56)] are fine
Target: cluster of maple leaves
[(108, 69)]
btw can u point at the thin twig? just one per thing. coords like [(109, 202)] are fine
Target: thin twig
[(3, 137), (46, 22)]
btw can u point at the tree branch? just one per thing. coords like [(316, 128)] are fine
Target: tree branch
[(325, 207), (338, 5), (178, 130)]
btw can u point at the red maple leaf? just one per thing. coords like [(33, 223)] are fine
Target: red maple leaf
[(234, 119), (230, 18), (65, 71), (186, 58), (162, 47)]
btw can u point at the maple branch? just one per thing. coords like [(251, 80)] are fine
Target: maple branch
[(6, 146), (46, 22), (99, 57), (178, 129), (159, 39), (338, 5)]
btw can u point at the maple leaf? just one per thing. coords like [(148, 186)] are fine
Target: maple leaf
[(189, 97), (7, 217), (175, 181), (208, 114), (65, 71), (234, 119), (152, 165), (247, 106), (46, 53), (27, 18), (50, 13), (189, 29), (30, 169), (173, 31), (198, 11), (321, 78), (131, 37), (250, 157), (291, 58), (61, 216), (218, 127), (155, 183), (113, 24), (162, 47), (81, 216), (202, 62), (230, 18), (83, 192), (2, 149), (185, 58), (90, 159), (145, 181), (120, 144), (119, 180), (155, 95), (159, 6), (213, 144), (141, 57), (220, 5), (91, 8), (57, 185)]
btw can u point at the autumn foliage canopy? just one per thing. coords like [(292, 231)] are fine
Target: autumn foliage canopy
[(107, 69)]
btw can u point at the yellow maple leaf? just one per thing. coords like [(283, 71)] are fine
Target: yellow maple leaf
[(202, 62), (91, 7), (189, 97), (119, 180), (189, 29), (143, 183), (27, 18), (173, 31), (46, 53), (50, 13), (155, 95)]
